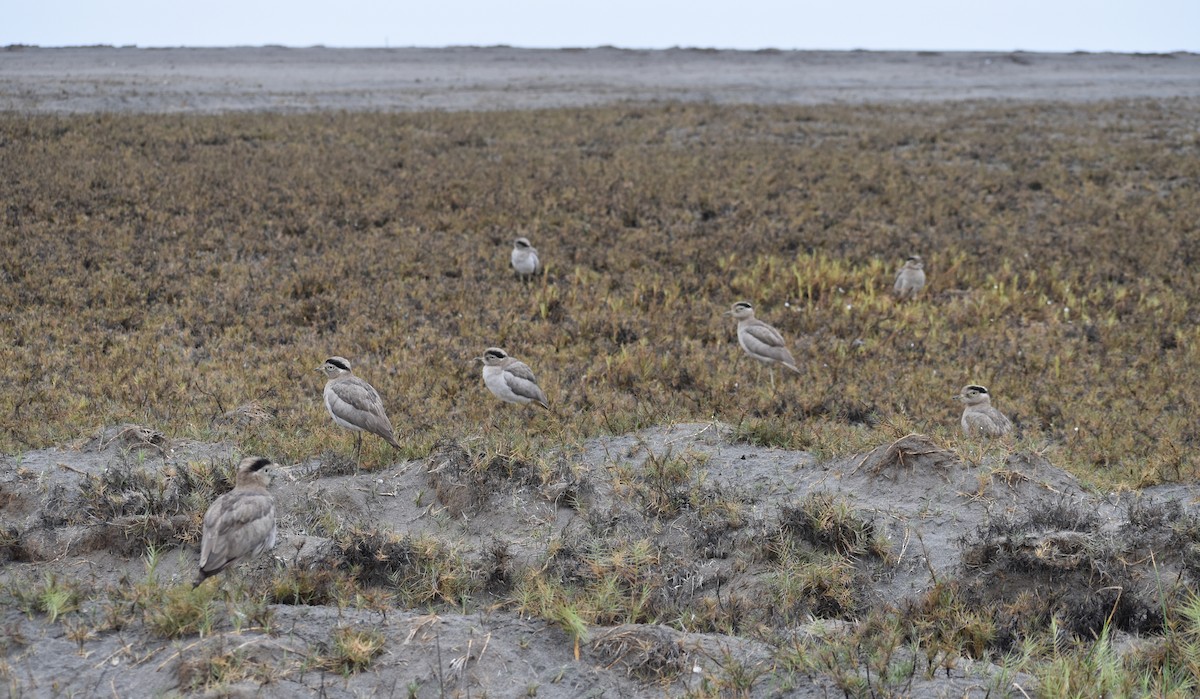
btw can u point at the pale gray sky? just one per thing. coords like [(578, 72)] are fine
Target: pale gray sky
[(999, 25)]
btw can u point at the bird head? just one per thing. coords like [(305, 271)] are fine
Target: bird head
[(335, 366), (253, 471), (974, 394), (492, 356), (741, 310)]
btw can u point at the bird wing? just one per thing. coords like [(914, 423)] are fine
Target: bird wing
[(358, 403), (765, 341), (237, 524), (765, 334), (358, 395), (1002, 424), (988, 421), (520, 380)]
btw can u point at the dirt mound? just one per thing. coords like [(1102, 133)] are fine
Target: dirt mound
[(604, 550)]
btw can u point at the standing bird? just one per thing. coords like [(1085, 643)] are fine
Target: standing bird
[(510, 380), (979, 417), (241, 523), (760, 341), (355, 405), (524, 257), (910, 279)]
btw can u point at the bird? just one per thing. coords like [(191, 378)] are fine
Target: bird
[(510, 380), (240, 524), (979, 417), (760, 341), (524, 257), (910, 279), (355, 405)]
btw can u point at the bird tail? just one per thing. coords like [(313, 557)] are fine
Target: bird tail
[(792, 367)]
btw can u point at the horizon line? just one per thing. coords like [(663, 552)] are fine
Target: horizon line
[(606, 47)]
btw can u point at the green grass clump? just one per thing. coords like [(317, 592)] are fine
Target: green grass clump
[(166, 269), (419, 571), (806, 584), (214, 667), (52, 596), (132, 506), (182, 611), (828, 522), (352, 649)]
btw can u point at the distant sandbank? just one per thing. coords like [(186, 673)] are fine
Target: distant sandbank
[(215, 80)]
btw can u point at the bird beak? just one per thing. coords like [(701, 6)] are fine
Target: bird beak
[(956, 396), (727, 313)]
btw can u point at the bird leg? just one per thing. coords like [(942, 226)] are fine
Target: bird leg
[(357, 452)]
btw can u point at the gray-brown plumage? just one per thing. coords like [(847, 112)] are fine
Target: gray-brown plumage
[(510, 380), (760, 341), (979, 417), (241, 523), (355, 404), (910, 280)]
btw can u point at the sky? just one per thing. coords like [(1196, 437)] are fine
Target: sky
[(944, 25)]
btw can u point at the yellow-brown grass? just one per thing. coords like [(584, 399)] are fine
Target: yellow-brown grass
[(166, 269)]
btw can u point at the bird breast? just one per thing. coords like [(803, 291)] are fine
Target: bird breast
[(497, 383), (986, 421), (525, 261)]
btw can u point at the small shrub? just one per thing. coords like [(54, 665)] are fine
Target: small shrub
[(352, 649), (829, 523), (52, 596), (183, 611), (422, 571)]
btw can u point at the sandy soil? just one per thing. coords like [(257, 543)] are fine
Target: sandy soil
[(283, 79), (924, 499)]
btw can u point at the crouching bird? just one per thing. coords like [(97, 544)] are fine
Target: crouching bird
[(979, 418), (510, 380), (240, 524)]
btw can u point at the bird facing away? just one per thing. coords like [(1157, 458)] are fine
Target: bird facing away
[(355, 405), (524, 257), (979, 417), (760, 341), (241, 523), (910, 279), (510, 380)]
